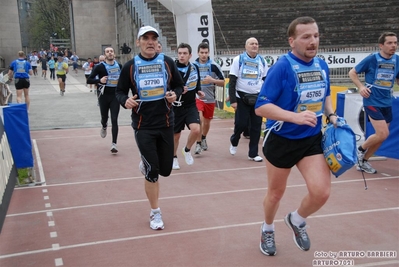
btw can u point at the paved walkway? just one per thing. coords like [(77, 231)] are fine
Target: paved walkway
[(92, 209)]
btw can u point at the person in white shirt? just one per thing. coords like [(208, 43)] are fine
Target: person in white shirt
[(87, 69), (247, 74), (34, 59)]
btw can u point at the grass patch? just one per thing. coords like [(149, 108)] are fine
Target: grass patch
[(223, 114), (24, 176)]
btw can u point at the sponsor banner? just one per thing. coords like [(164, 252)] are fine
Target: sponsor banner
[(334, 60), (194, 23)]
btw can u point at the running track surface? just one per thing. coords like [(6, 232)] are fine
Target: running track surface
[(92, 209)]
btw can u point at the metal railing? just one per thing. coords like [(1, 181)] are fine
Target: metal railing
[(142, 15)]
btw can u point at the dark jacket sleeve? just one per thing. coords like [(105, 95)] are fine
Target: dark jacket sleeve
[(96, 71), (199, 79), (125, 84), (176, 82), (232, 88)]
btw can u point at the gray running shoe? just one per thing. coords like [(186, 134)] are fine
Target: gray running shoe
[(103, 132), (204, 145), (365, 166), (301, 238), (267, 244), (198, 149)]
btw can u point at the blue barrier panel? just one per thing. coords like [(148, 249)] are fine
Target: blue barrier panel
[(390, 147), (16, 125), (350, 107), (8, 174)]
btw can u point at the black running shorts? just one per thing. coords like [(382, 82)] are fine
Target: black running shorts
[(285, 153)]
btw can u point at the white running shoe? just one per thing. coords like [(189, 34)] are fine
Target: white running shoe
[(156, 222), (114, 149), (257, 159), (176, 165), (187, 156), (233, 150)]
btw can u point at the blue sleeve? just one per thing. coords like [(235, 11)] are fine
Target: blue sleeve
[(275, 83)]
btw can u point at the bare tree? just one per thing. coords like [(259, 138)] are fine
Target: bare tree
[(50, 18)]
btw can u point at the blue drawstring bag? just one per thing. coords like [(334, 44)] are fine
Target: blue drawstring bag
[(339, 147)]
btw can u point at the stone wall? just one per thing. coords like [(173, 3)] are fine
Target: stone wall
[(94, 26), (10, 38), (341, 22)]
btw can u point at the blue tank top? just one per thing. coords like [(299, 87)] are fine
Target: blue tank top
[(192, 78), (311, 86), (20, 69), (113, 74), (151, 78)]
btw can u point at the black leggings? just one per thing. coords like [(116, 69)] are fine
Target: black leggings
[(109, 102), (52, 73)]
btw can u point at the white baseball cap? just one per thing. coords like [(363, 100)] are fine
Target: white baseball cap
[(143, 30)]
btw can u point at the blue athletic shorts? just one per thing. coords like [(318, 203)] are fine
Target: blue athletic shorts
[(379, 113)]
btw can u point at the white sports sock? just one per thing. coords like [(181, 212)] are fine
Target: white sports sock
[(267, 227), (296, 219)]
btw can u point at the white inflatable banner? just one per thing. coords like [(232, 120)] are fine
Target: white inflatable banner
[(194, 23)]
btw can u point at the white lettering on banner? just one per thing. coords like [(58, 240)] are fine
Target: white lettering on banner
[(336, 60), (6, 163)]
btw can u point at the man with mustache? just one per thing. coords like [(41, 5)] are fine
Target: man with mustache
[(293, 98), (381, 70)]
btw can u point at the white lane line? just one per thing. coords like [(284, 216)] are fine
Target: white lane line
[(141, 177), (59, 262), (196, 230), (185, 174), (53, 234), (181, 196), (42, 179)]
